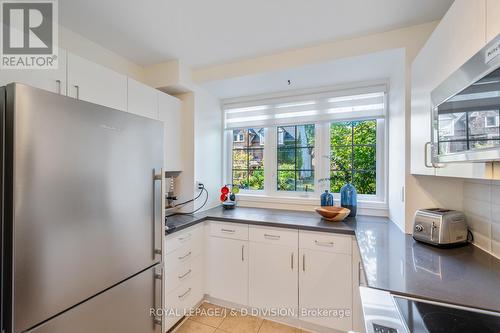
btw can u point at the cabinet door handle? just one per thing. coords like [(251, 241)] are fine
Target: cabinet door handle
[(360, 268), (58, 83), (182, 239), (243, 253), (274, 237), (291, 262), (229, 231), (185, 256), (304, 262), (77, 87), (327, 244), (185, 294), (184, 275), (158, 292)]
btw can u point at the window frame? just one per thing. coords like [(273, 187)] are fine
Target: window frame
[(321, 166), (228, 179), (296, 148)]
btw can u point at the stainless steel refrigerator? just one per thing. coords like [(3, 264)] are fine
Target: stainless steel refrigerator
[(81, 216)]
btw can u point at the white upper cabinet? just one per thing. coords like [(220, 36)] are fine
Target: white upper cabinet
[(492, 19), (169, 111), (460, 34), (94, 83), (142, 99), (53, 80)]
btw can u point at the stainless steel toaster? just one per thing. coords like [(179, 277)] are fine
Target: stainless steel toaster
[(440, 227)]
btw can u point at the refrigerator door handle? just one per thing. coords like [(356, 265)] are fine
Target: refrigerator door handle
[(158, 297), (158, 237)]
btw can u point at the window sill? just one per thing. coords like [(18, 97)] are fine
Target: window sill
[(365, 207)]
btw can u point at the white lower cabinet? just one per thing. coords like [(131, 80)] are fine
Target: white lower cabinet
[(273, 267), (183, 276), (227, 269), (325, 280), (266, 268)]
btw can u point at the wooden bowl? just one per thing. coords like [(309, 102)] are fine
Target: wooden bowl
[(333, 213)]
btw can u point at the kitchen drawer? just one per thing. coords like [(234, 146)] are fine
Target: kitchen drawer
[(229, 230), (186, 253), (183, 299), (323, 241), (270, 235), (184, 272), (178, 239)]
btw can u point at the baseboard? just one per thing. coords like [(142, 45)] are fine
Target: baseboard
[(291, 321)]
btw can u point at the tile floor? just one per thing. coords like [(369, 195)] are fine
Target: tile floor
[(215, 319)]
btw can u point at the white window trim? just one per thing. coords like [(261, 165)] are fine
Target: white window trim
[(270, 197), (322, 168), (490, 126)]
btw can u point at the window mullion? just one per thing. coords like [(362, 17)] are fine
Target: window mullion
[(270, 161)]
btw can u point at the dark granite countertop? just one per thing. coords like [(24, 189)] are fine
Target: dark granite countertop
[(392, 260), (268, 217)]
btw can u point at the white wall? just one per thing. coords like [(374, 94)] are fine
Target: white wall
[(481, 205), (208, 144), (201, 151), (87, 49), (185, 182), (411, 38), (397, 141)]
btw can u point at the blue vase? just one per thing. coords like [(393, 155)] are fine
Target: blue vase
[(326, 199), (349, 198)]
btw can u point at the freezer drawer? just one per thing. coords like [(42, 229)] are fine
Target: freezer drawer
[(122, 309)]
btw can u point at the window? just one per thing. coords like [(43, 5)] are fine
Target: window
[(310, 141), (248, 158), (492, 121), (295, 156), (353, 150), (238, 136), (472, 130)]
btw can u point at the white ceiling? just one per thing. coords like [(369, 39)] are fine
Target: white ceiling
[(205, 32), (370, 67)]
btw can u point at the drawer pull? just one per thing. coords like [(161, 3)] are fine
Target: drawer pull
[(185, 256), (182, 239), (229, 231), (328, 244), (275, 237), (58, 83), (185, 294), (184, 275)]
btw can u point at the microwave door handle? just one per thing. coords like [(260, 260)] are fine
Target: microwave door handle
[(426, 159), (426, 154)]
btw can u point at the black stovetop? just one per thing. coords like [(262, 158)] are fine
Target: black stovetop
[(421, 317)]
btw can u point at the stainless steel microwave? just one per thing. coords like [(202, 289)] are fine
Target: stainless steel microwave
[(466, 110)]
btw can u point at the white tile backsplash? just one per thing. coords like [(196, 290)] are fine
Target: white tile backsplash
[(482, 209)]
